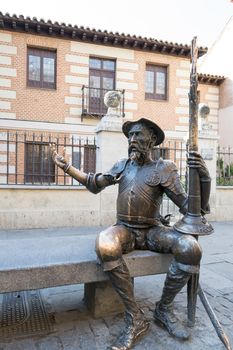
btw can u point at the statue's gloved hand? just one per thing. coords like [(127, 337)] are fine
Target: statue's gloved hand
[(195, 160), (60, 161)]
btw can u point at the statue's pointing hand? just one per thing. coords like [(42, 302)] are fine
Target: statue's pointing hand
[(60, 161), (195, 160)]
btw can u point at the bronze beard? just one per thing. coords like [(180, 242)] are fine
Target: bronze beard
[(138, 155)]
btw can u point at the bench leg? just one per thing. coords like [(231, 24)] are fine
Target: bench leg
[(102, 300)]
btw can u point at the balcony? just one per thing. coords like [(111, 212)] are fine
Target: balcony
[(93, 102)]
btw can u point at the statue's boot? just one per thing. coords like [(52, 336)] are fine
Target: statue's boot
[(163, 314), (136, 324), (135, 327)]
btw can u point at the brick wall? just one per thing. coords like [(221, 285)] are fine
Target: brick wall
[(63, 105), (168, 114), (33, 103)]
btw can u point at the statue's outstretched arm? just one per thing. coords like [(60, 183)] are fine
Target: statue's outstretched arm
[(94, 182)]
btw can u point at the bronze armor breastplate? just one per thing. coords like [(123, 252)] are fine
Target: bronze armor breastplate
[(140, 195)]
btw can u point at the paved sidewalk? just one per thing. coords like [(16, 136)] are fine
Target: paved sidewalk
[(75, 329)]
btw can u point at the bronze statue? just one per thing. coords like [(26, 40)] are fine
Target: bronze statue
[(142, 183)]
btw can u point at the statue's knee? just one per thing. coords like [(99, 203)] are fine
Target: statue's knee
[(108, 247), (187, 250)]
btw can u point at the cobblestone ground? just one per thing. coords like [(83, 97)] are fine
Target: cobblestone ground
[(75, 328)]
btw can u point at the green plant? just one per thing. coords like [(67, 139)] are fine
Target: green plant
[(223, 181)]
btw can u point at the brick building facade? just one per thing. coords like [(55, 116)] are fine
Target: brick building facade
[(53, 78)]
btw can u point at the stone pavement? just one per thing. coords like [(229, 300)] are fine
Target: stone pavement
[(76, 329)]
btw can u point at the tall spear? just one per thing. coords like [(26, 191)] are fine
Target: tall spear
[(192, 222)]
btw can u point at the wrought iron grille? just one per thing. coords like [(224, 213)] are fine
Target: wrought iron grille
[(175, 151), (224, 166), (93, 102), (25, 158)]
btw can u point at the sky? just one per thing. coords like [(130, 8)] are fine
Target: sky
[(168, 20)]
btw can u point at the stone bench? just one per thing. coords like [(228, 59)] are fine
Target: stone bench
[(37, 263)]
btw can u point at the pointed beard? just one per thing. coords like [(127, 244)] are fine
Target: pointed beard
[(138, 157)]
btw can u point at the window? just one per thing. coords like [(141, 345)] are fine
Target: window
[(102, 79), (76, 158), (156, 82), (39, 166), (41, 68), (89, 158), (85, 160)]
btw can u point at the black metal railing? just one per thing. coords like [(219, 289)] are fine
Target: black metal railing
[(93, 102), (224, 176), (176, 151), (25, 158)]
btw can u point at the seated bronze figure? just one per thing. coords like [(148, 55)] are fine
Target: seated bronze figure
[(142, 182)]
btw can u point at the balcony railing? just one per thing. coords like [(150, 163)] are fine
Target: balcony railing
[(93, 102)]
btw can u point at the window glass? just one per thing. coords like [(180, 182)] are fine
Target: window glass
[(76, 159), (94, 85), (107, 83), (149, 86), (95, 81), (109, 65), (89, 162), (95, 63), (34, 68), (160, 83), (48, 69)]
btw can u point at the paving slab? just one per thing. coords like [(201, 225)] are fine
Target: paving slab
[(222, 268), (76, 329)]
